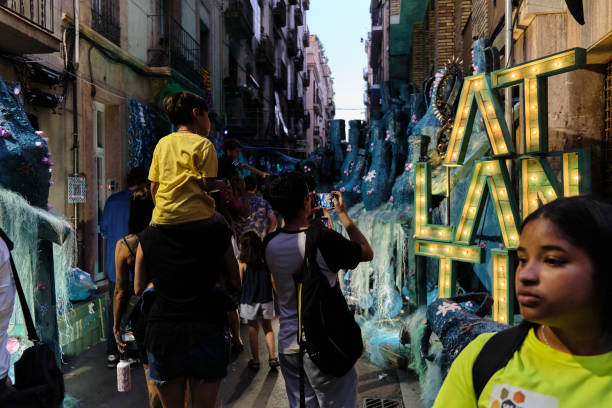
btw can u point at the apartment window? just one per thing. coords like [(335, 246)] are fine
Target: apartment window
[(105, 19), (204, 45), (100, 180)]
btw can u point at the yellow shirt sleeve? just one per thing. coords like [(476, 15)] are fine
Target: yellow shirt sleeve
[(458, 389), (154, 170), (206, 160)]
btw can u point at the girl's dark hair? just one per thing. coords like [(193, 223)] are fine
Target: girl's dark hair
[(287, 193), (179, 106), (586, 222), (251, 247), (141, 209)]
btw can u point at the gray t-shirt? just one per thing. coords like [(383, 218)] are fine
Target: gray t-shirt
[(285, 256)]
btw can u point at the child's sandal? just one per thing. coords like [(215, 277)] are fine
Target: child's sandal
[(273, 362), (253, 365)]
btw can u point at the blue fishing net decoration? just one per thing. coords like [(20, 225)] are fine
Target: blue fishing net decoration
[(146, 127)]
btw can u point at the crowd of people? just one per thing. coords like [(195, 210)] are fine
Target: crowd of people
[(201, 248)]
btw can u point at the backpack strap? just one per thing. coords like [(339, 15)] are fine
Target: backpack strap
[(496, 354), (27, 316)]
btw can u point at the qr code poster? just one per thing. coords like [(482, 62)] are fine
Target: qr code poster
[(77, 189)]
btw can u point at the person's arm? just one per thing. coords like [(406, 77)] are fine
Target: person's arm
[(272, 223), (355, 235), (242, 268), (230, 272), (254, 170), (211, 184), (141, 277), (122, 291), (154, 188)]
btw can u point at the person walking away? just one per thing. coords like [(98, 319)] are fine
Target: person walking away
[(284, 257), (114, 226), (256, 300), (7, 301), (561, 353), (141, 209), (262, 218)]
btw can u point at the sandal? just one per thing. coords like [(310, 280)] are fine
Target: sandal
[(253, 365), (273, 362)]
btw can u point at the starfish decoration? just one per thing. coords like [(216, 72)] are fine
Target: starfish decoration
[(26, 169), (447, 307), (371, 175)]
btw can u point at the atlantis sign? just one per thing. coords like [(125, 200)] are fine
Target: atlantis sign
[(490, 177)]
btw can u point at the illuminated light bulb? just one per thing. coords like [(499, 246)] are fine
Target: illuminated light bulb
[(454, 154), (422, 179), (440, 233), (490, 107), (535, 132), (476, 84), (502, 284), (502, 192), (495, 127), (502, 300), (534, 202), (502, 147), (466, 110), (533, 107), (501, 268), (447, 283), (447, 266), (488, 167), (550, 192), (507, 217), (465, 233), (502, 318), (533, 86), (422, 231), (447, 249), (533, 178), (422, 217), (576, 177), (464, 252), (477, 192), (431, 249), (513, 237), (422, 199), (533, 69), (513, 75), (460, 131), (556, 64), (471, 210)]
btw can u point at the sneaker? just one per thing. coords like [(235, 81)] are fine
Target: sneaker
[(112, 360)]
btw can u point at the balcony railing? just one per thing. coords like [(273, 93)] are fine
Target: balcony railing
[(299, 17), (306, 4), (239, 19), (265, 55), (280, 79), (292, 45), (176, 48), (105, 19), (39, 12), (298, 62), (306, 39), (306, 78), (280, 14)]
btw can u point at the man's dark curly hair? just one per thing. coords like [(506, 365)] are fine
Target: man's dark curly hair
[(287, 194), (179, 106)]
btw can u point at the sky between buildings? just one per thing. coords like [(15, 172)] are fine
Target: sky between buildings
[(341, 25)]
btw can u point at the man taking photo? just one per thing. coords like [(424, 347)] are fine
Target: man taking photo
[(284, 256)]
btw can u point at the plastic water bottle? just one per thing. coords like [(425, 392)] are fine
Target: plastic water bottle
[(124, 379)]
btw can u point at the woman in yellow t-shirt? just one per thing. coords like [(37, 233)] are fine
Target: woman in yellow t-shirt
[(563, 286)]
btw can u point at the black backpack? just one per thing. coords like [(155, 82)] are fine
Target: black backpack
[(496, 354), (331, 337)]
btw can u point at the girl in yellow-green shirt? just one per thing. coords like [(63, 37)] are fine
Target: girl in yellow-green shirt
[(563, 285)]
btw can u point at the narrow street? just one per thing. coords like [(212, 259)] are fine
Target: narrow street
[(94, 386)]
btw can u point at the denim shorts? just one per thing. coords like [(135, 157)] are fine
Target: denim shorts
[(206, 362)]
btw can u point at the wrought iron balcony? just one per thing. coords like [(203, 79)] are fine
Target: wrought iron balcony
[(292, 45), (299, 17), (265, 55), (306, 4), (39, 12), (176, 48), (298, 62), (293, 2), (239, 19), (280, 14), (306, 79), (306, 39), (105, 19), (280, 79)]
